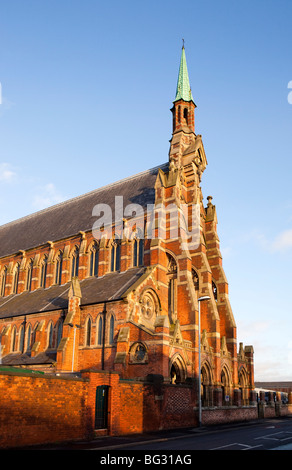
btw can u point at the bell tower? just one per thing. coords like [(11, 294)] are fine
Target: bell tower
[(183, 110)]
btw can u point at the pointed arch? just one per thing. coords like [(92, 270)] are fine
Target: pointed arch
[(13, 339), (21, 339), (15, 278), (99, 330), (172, 287), (138, 248), (115, 257), (59, 331), (43, 273), (225, 384), (58, 268), (50, 337), (28, 337), (75, 261), (111, 329), (29, 275), (177, 369), (93, 259), (3, 281), (206, 384), (88, 331)]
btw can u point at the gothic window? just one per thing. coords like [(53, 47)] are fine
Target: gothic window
[(178, 114), (59, 332), (111, 330), (195, 279), (186, 115), (88, 332), (28, 338), (138, 252), (214, 289), (138, 353), (13, 339), (3, 281), (58, 271), (99, 331), (21, 339), (15, 279), (93, 262), (75, 263), (147, 306), (29, 276), (33, 336), (116, 255), (43, 272), (50, 336), (172, 282)]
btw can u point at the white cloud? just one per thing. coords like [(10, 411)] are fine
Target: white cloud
[(48, 195), (6, 173), (283, 241)]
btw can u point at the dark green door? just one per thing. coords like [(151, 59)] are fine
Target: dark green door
[(101, 407)]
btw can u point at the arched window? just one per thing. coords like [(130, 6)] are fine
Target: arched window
[(28, 338), (116, 255), (15, 279), (138, 252), (214, 289), (3, 281), (93, 262), (59, 332), (58, 269), (99, 331), (33, 336), (178, 113), (111, 330), (195, 277), (186, 115), (29, 276), (172, 283), (43, 272), (50, 336), (21, 339), (13, 339), (88, 332), (75, 263)]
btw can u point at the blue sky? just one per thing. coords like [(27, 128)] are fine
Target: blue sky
[(87, 88)]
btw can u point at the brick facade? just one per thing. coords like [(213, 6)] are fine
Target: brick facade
[(72, 301)]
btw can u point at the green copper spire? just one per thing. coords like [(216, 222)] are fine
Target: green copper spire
[(183, 89)]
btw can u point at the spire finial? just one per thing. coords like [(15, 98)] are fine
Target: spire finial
[(183, 46)]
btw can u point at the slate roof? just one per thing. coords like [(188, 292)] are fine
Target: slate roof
[(70, 217), (94, 290)]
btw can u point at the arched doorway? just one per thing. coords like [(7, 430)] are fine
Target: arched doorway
[(177, 370)]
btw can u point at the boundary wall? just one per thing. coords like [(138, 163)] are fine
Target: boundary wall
[(42, 408)]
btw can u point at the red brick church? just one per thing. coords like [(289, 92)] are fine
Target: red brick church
[(83, 289)]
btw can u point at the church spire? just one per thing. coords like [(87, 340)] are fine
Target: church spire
[(184, 106), (183, 89)]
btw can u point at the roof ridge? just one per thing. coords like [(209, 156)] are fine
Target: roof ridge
[(81, 196)]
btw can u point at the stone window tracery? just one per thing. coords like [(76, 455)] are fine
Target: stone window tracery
[(138, 353)]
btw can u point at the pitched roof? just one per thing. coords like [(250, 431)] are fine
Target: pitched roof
[(94, 290), (70, 217)]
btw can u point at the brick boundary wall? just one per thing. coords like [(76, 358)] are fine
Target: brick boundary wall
[(42, 408), (38, 409)]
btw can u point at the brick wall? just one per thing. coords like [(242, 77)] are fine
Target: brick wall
[(36, 409)]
